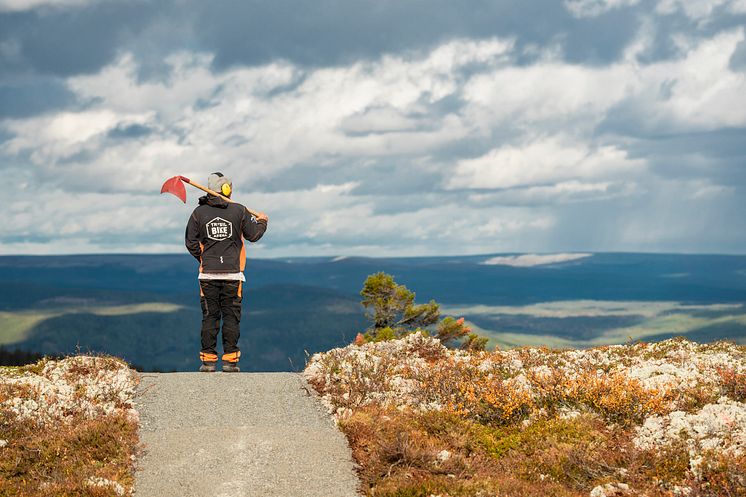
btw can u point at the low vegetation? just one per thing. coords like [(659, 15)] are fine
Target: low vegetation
[(430, 420), (659, 419), (68, 427)]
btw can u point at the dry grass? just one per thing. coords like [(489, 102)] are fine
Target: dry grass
[(401, 454), (76, 453), (398, 453), (733, 383), (722, 476), (61, 461), (425, 421)]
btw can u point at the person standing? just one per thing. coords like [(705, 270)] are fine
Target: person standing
[(215, 236)]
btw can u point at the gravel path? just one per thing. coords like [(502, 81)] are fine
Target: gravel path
[(245, 434)]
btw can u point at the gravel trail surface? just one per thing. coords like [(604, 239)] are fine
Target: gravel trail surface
[(239, 434)]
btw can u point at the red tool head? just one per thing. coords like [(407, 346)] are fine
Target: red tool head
[(175, 186)]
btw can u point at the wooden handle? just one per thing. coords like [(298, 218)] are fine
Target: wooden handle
[(207, 190)]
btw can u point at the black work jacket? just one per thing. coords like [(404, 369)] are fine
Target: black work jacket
[(215, 234)]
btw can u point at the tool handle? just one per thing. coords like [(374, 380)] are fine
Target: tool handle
[(207, 190)]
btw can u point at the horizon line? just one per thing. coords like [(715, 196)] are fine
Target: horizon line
[(343, 256)]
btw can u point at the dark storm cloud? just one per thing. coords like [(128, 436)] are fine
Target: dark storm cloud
[(334, 32), (326, 32), (723, 143), (738, 59), (664, 46), (597, 40), (398, 177), (719, 156), (299, 177), (320, 33), (67, 42), (129, 131), (33, 97), (394, 176)]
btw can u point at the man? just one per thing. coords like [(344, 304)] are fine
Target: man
[(215, 237)]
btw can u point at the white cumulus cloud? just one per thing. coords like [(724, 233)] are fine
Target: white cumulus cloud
[(371, 156), (593, 8), (21, 5), (541, 162)]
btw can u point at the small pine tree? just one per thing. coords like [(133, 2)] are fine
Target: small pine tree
[(394, 313), (390, 305), (474, 342)]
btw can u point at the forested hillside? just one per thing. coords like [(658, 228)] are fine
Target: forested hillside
[(145, 308)]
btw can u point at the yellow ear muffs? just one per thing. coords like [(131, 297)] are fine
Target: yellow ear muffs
[(226, 189)]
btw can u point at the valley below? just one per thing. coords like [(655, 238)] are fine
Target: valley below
[(145, 308)]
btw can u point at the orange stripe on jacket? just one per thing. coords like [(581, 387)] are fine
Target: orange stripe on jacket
[(201, 293), (242, 260)]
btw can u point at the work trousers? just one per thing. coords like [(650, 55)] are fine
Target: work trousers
[(220, 300)]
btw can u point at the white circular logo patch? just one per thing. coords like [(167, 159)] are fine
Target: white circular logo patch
[(219, 229)]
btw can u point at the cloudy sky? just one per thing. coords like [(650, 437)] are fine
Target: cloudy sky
[(386, 127)]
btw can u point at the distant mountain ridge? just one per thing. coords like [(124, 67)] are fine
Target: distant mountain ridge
[(295, 306)]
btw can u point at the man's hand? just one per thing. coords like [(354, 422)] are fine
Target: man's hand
[(260, 216)]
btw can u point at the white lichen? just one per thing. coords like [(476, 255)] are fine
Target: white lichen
[(611, 490), (115, 487), (414, 371), (89, 386), (718, 427)]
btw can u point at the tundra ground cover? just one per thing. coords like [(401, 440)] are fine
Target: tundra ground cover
[(659, 419), (68, 427)]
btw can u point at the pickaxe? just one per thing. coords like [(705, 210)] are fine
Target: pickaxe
[(175, 186)]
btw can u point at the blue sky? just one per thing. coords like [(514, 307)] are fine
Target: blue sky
[(377, 127)]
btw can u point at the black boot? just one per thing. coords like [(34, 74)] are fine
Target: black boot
[(207, 367), (231, 367)]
